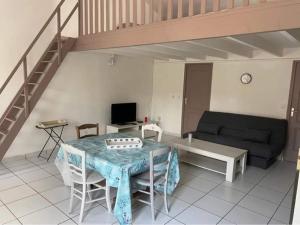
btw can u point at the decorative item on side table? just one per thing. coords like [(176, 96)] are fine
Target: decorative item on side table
[(123, 143), (49, 127)]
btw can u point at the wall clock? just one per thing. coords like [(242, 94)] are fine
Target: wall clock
[(246, 78)]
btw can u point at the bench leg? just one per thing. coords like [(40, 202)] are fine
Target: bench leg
[(230, 170)]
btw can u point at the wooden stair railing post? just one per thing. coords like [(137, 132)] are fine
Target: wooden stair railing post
[(203, 7), (120, 14), (191, 7), (143, 5), (159, 10), (230, 4), (216, 5), (114, 15), (170, 9), (59, 35), (127, 13), (151, 11), (179, 7), (25, 85), (80, 17)]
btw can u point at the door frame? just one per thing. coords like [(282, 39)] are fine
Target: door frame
[(184, 89), (291, 91), (289, 107)]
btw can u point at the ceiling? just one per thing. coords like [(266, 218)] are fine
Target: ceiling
[(280, 44)]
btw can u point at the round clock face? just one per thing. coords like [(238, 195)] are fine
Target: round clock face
[(246, 78)]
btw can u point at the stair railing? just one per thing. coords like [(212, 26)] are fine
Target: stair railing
[(99, 16), (23, 60)]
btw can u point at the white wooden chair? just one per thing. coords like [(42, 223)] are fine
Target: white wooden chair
[(83, 178), (157, 175), (152, 127)]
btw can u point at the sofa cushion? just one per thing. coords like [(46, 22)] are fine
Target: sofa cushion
[(204, 136), (235, 133), (210, 128), (232, 141), (260, 136), (256, 149)]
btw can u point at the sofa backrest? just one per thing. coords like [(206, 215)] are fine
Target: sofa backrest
[(278, 127)]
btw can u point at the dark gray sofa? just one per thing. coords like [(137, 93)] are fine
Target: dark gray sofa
[(264, 138)]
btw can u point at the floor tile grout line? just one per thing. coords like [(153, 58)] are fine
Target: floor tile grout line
[(51, 204), (237, 204), (188, 186), (11, 210), (198, 200), (28, 185), (280, 204)]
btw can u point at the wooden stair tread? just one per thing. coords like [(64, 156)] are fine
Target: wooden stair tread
[(4, 133), (10, 119), (17, 107), (32, 83), (16, 115)]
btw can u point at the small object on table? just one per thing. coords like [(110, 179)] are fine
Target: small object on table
[(123, 143), (146, 119), (49, 127), (190, 137)]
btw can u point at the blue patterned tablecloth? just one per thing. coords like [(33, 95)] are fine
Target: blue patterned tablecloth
[(117, 166)]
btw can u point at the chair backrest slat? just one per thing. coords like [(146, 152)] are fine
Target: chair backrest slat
[(160, 168), (152, 127), (75, 160), (87, 126)]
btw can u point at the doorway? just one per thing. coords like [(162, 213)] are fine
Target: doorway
[(196, 94), (293, 116)]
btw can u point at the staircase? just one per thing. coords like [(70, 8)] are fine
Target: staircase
[(36, 81)]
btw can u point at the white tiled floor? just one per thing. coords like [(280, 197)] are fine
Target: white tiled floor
[(32, 192)]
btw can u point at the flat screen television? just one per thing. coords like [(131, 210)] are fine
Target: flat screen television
[(123, 113)]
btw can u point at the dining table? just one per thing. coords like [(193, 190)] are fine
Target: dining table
[(117, 166)]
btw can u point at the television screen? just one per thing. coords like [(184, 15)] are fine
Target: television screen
[(123, 113)]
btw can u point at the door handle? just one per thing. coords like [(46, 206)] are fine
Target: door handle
[(293, 111), (185, 101)]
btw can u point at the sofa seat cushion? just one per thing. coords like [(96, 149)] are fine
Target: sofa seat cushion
[(255, 149), (261, 150)]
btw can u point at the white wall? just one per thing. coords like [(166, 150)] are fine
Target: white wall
[(20, 22), (82, 91), (167, 95), (267, 95)]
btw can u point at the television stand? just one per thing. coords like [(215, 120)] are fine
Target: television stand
[(118, 128)]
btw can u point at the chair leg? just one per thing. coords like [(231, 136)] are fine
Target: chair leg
[(107, 196), (88, 191), (166, 202), (71, 199), (152, 203), (82, 202)]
